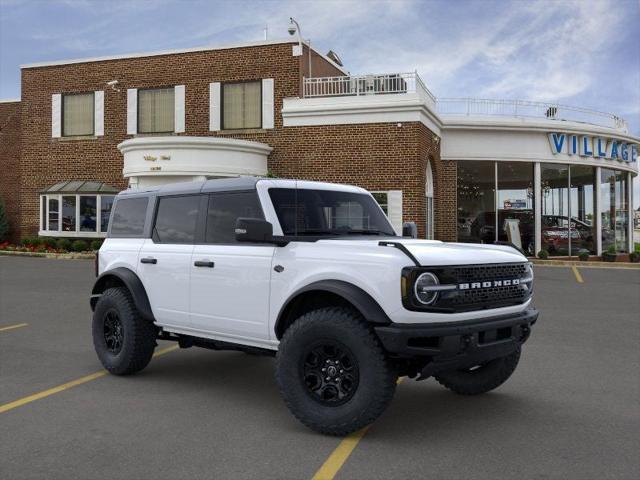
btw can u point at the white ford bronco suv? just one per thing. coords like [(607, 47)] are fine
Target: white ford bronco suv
[(313, 274)]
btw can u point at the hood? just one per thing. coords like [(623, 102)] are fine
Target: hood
[(436, 253)]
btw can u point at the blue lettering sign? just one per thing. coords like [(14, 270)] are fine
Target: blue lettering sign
[(634, 153), (585, 147), (624, 152), (601, 150), (557, 142), (614, 150), (573, 148)]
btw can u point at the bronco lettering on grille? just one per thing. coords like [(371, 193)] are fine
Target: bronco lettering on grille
[(488, 284)]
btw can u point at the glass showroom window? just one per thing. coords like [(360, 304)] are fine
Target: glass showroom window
[(555, 208), (476, 201), (241, 105), (77, 114), (156, 110), (516, 204), (581, 205), (75, 215), (614, 209)]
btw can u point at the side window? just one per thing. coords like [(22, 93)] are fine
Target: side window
[(225, 209), (128, 217), (176, 219)]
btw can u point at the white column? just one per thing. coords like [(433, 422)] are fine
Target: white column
[(630, 211), (537, 207), (598, 213)]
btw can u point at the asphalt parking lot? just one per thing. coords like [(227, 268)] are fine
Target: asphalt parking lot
[(571, 410)]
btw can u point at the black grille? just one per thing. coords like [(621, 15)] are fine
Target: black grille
[(479, 273), (471, 298)]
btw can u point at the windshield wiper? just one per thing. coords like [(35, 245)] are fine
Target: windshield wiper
[(366, 232)]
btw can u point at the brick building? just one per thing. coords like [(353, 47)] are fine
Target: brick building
[(84, 129)]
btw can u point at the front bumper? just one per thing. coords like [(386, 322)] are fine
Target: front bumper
[(454, 345)]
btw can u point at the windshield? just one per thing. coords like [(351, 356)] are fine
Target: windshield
[(328, 212)]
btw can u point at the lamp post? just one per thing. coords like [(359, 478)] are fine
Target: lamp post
[(294, 27)]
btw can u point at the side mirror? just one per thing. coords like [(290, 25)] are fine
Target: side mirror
[(256, 230), (410, 229)]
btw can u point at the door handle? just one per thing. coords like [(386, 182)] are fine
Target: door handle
[(149, 260), (203, 263)]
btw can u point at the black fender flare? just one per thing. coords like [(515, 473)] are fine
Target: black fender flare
[(133, 284), (361, 300)]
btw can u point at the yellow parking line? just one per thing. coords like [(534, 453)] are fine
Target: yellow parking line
[(11, 327), (333, 464), (577, 274), (65, 386)]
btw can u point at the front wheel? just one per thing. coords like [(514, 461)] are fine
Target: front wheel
[(332, 372), (122, 339), (480, 378)]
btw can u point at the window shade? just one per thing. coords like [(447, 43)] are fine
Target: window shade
[(156, 110), (77, 114), (241, 105)]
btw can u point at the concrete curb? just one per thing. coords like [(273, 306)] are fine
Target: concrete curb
[(58, 256), (572, 263)]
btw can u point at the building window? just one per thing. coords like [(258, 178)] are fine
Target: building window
[(78, 114), (516, 223), (476, 201), (614, 210), (430, 216), (241, 105), (74, 215), (383, 200), (156, 110)]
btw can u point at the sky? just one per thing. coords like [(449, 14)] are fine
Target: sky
[(584, 53)]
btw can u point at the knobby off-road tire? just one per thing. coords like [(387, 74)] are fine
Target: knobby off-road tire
[(123, 340), (481, 379), (362, 382)]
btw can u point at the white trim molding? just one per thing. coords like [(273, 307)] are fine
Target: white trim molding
[(154, 160), (391, 108)]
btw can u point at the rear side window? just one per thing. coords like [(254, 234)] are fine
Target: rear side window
[(176, 219), (225, 209), (128, 217)]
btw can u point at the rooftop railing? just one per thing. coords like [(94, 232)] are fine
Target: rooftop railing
[(528, 109), (401, 83), (357, 85)]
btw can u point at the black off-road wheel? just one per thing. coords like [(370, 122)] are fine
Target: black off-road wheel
[(480, 378), (333, 373), (123, 340)]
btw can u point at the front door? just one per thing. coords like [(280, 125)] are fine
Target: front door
[(230, 280)]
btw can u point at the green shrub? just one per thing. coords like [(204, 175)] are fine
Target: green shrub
[(634, 257), (64, 244), (96, 244), (611, 249), (47, 242), (79, 246), (4, 222), (29, 241), (543, 254), (583, 256)]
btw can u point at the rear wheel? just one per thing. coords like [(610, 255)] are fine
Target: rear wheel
[(123, 340), (332, 372), (480, 378)]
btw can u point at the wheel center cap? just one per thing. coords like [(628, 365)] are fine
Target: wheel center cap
[(331, 371)]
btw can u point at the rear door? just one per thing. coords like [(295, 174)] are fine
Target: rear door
[(230, 280), (165, 258)]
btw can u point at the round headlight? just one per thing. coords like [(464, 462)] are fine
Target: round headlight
[(424, 294)]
